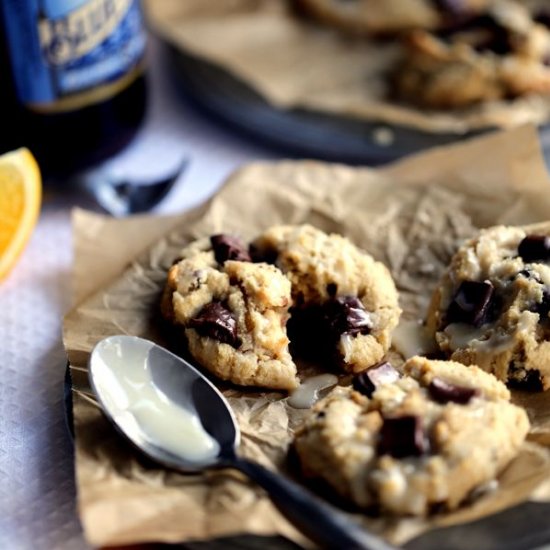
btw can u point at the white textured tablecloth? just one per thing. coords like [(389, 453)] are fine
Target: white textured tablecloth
[(37, 493)]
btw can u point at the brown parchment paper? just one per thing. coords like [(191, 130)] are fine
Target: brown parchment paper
[(411, 215), (293, 62)]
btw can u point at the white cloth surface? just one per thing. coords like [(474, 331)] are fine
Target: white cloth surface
[(37, 491)]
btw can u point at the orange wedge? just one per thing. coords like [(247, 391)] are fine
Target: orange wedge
[(20, 198)]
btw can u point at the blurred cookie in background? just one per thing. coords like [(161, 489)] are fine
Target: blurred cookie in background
[(391, 16), (499, 55)]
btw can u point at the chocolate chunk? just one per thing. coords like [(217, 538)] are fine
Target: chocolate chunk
[(520, 378), (381, 373), (402, 436), (542, 307), (482, 32), (347, 315), (177, 260), (216, 321), (542, 17), (471, 303), (227, 247), (496, 42), (530, 274), (443, 392), (310, 336), (267, 255), (534, 247), (332, 289), (453, 7)]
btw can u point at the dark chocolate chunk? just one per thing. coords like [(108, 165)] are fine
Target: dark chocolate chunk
[(309, 335), (443, 392), (542, 17), (267, 255), (332, 289), (402, 436), (216, 321), (481, 32), (520, 378), (227, 247), (437, 508), (534, 247), (471, 303), (530, 274), (453, 7), (542, 307), (347, 315), (367, 381), (496, 42)]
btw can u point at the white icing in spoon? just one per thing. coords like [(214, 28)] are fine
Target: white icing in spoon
[(305, 395), (165, 423)]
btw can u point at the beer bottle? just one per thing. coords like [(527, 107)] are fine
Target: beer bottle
[(77, 78)]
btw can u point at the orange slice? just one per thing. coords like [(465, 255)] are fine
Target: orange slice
[(20, 197)]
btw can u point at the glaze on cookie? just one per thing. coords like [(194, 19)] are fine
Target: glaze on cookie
[(417, 443), (492, 305)]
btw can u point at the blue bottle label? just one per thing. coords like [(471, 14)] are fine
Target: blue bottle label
[(61, 50)]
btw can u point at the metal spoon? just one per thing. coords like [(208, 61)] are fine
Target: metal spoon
[(179, 385)]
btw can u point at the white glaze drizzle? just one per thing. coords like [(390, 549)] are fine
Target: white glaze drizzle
[(307, 393), (411, 338)]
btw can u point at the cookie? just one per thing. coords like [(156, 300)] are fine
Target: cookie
[(345, 304), (233, 313), (412, 444), (492, 305), (500, 55), (233, 302), (390, 16)]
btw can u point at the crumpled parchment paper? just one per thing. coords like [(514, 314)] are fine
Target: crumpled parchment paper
[(410, 215)]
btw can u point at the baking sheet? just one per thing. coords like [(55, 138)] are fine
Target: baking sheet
[(293, 62)]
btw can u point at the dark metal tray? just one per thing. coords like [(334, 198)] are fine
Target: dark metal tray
[(295, 132)]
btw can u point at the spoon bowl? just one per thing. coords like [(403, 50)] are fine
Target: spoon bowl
[(176, 382), (177, 417)]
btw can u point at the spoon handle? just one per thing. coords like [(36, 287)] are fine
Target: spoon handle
[(319, 521)]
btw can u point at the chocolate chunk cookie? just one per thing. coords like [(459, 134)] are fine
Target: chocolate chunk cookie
[(492, 305), (345, 303), (502, 54), (420, 442), (233, 313), (390, 16)]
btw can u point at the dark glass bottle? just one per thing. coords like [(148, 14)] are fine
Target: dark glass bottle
[(77, 85)]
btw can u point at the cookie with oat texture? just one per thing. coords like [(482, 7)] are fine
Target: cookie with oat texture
[(492, 305), (414, 443)]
